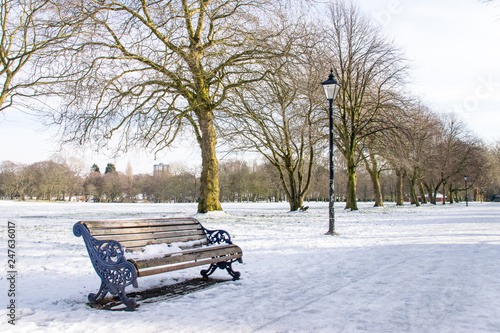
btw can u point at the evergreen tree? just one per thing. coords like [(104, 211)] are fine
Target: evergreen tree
[(95, 168), (110, 168)]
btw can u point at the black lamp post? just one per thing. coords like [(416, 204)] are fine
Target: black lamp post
[(466, 198), (331, 88)]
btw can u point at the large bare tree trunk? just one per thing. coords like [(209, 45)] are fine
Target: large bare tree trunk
[(372, 168), (436, 190), (296, 199), (413, 191), (430, 194), (450, 190), (422, 192), (399, 188), (351, 184), (296, 203), (209, 187), (377, 190)]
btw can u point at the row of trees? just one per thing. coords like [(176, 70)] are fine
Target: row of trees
[(244, 73), (240, 181)]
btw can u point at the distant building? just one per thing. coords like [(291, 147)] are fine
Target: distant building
[(160, 168)]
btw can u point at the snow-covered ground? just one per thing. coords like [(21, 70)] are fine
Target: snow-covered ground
[(393, 269)]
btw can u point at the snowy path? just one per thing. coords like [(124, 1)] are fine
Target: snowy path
[(422, 292), (427, 269)]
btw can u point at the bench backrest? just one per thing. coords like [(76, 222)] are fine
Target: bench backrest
[(134, 235)]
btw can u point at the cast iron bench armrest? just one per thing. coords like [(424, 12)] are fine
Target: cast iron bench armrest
[(218, 236)]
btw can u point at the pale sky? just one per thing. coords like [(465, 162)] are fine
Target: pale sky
[(454, 48), (454, 51)]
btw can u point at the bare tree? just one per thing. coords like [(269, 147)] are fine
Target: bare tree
[(492, 184), (405, 144), (449, 155), (141, 71), (281, 117), (94, 186), (374, 167), (371, 71), (9, 179), (397, 154), (31, 30), (420, 130)]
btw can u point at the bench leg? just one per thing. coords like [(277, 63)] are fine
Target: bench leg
[(207, 272), (229, 269), (129, 302), (227, 265), (119, 291), (97, 298)]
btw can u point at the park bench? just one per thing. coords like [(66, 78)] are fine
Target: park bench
[(123, 250)]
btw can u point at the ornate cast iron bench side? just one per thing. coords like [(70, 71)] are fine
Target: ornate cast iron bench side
[(116, 272), (111, 266), (220, 237)]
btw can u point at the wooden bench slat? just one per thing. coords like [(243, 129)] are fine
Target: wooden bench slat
[(124, 231), (153, 235), (141, 223), (164, 269), (192, 255), (170, 240)]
